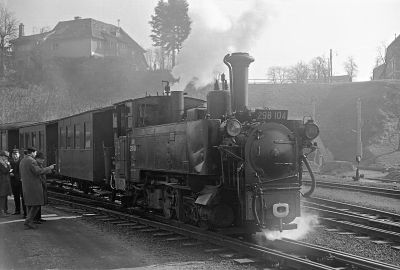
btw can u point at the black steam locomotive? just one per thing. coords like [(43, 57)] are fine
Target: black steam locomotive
[(214, 164)]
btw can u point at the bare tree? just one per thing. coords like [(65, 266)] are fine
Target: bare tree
[(299, 73), (149, 55), (277, 74), (351, 67), (8, 31), (44, 29), (319, 69)]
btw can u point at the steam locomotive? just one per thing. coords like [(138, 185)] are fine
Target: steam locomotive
[(215, 163)]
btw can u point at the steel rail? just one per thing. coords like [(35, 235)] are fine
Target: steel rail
[(354, 260), (345, 214), (355, 208), (391, 193), (268, 254), (346, 221)]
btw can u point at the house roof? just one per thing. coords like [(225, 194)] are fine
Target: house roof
[(28, 39), (84, 28), (90, 28)]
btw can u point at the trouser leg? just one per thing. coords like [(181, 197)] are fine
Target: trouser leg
[(17, 194), (6, 204), (32, 210), (38, 215), (22, 197), (2, 206), (23, 204)]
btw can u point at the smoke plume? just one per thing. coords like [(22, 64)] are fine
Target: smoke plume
[(218, 28), (304, 226)]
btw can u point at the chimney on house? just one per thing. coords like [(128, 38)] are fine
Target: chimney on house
[(77, 18), (21, 30)]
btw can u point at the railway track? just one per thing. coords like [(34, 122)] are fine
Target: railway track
[(361, 220), (282, 254), (391, 193)]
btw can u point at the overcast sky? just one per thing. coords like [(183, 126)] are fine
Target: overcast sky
[(275, 32)]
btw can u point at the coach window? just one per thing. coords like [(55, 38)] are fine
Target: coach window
[(26, 140), (40, 140), (4, 140), (21, 140), (62, 137), (69, 137), (77, 136), (33, 139), (86, 135)]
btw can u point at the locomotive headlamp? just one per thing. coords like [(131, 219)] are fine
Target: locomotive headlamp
[(311, 130), (280, 210), (233, 127)]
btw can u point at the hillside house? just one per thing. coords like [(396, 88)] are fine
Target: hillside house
[(391, 68), (78, 38)]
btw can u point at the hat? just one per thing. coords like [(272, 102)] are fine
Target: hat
[(15, 150), (4, 153), (31, 149), (40, 155)]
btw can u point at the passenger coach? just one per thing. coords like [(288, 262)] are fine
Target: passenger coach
[(85, 141)]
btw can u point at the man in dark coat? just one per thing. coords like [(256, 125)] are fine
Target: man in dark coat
[(5, 186), (16, 184), (32, 185), (40, 161)]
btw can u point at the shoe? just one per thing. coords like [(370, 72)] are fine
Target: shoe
[(16, 213), (29, 226), (37, 222), (3, 215), (42, 220)]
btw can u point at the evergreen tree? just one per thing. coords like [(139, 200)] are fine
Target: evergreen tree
[(170, 26)]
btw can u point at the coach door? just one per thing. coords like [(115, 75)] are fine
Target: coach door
[(122, 161)]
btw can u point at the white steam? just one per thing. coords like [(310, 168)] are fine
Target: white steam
[(304, 226), (218, 27)]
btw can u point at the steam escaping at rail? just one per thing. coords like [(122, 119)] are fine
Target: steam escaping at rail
[(304, 226), (216, 30)]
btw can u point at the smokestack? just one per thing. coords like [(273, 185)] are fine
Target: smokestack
[(21, 30), (177, 106), (238, 64)]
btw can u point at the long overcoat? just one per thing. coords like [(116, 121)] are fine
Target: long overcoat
[(5, 186), (30, 173)]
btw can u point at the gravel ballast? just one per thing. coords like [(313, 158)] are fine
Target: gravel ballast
[(349, 243)]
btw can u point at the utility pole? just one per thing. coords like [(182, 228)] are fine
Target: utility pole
[(358, 140)]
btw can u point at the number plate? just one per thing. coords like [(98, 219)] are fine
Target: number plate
[(272, 114)]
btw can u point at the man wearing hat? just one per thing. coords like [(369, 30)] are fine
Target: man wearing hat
[(32, 185), (16, 184), (40, 161), (5, 186)]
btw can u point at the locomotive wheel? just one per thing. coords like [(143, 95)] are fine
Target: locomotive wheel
[(171, 203)]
